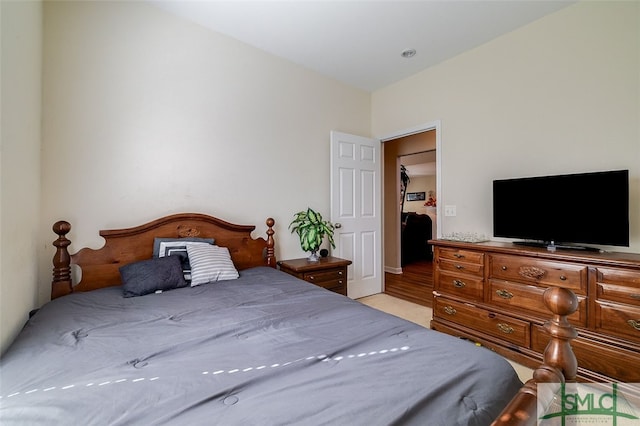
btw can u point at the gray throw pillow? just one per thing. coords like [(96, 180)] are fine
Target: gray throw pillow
[(148, 276)]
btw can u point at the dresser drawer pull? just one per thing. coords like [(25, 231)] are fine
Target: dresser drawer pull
[(531, 272), (635, 296), (504, 268), (505, 328), (459, 267), (340, 273), (311, 278), (504, 294), (458, 256), (635, 324), (449, 310), (458, 284)]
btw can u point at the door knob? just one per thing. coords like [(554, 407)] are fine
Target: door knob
[(337, 225)]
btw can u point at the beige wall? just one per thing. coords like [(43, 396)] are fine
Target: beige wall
[(420, 184), (147, 114), (21, 35), (560, 95)]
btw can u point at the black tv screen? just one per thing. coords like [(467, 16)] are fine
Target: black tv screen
[(584, 208)]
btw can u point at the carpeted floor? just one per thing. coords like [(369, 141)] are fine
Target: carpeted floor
[(420, 315)]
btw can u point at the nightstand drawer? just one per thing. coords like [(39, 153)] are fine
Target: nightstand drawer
[(328, 272), (501, 326), (331, 280), (541, 272), (324, 276)]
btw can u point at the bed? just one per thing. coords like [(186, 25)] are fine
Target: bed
[(258, 348)]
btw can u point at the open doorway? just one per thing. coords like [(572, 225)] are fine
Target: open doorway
[(419, 151), (418, 207)]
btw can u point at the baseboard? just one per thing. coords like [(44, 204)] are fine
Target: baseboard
[(393, 270)]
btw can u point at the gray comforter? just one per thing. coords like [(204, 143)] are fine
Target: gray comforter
[(265, 349)]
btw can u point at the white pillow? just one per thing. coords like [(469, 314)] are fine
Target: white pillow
[(210, 263)]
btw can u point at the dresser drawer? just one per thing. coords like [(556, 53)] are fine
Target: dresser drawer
[(618, 320), (615, 362), (529, 298), (500, 326), (466, 286), (536, 271), (461, 267), (466, 256), (618, 285)]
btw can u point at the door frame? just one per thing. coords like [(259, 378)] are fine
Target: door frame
[(432, 125)]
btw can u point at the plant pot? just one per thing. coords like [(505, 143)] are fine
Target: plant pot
[(313, 257)]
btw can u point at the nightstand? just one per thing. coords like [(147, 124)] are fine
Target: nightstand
[(328, 272)]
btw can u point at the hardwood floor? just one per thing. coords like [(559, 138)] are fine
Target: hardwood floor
[(415, 284)]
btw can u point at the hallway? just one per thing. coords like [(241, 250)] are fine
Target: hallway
[(415, 284)]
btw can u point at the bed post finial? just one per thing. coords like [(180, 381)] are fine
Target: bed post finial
[(271, 253), (61, 283), (559, 362), (558, 353)]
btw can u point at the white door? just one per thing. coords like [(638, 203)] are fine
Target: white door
[(356, 210)]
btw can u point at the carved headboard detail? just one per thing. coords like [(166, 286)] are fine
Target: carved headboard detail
[(100, 268)]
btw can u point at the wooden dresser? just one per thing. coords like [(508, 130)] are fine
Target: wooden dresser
[(328, 272), (491, 293)]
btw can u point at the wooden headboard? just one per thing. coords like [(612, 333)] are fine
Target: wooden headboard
[(100, 268)]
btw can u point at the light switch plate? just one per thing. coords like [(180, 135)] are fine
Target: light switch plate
[(449, 210)]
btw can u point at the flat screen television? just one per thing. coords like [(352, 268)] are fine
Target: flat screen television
[(564, 210)]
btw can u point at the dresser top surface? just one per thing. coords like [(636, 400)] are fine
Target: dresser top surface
[(584, 256)]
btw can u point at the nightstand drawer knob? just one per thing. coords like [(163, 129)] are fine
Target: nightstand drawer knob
[(340, 273), (459, 267), (563, 278), (458, 256), (635, 324), (504, 294), (311, 277), (449, 310)]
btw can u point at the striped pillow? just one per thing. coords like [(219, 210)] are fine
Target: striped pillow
[(177, 247), (210, 263)]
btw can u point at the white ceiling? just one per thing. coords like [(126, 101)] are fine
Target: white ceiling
[(359, 42)]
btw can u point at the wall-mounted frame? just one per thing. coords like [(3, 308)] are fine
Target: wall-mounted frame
[(416, 196)]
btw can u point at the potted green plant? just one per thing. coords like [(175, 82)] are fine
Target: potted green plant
[(311, 230)]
